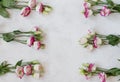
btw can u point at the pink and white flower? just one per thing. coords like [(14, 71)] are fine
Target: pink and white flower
[(105, 11), (28, 70), (97, 41), (37, 45), (20, 72), (31, 41), (87, 5), (91, 67), (38, 67), (25, 11), (32, 3), (102, 76), (83, 40), (87, 12), (40, 8)]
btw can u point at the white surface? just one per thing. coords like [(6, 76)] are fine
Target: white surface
[(63, 55)]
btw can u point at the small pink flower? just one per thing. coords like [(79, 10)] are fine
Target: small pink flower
[(25, 11), (91, 67), (20, 72), (37, 45), (102, 76), (88, 12), (28, 70), (36, 28), (105, 11), (95, 42), (32, 3), (40, 8), (87, 5), (31, 41)]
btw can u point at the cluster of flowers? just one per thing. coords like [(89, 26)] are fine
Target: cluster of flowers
[(21, 68), (104, 8), (32, 38), (32, 4), (90, 69), (33, 68), (94, 40)]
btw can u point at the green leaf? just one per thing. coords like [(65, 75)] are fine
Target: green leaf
[(8, 3), (8, 37), (110, 2), (113, 72), (4, 12), (19, 63), (113, 40), (17, 32), (117, 7)]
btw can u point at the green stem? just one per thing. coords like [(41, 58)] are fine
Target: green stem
[(20, 41)]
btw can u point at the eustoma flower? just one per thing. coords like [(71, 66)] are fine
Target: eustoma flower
[(90, 69), (94, 40), (27, 68), (26, 6), (25, 11), (105, 11), (93, 7), (33, 38)]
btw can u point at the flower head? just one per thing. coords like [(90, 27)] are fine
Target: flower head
[(40, 8), (87, 12), (87, 5), (28, 69), (31, 41), (102, 76), (32, 3), (37, 45), (19, 71), (38, 67), (25, 11), (105, 11)]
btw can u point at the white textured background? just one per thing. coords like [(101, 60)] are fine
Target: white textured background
[(63, 55)]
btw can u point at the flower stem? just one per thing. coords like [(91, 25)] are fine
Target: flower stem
[(20, 41)]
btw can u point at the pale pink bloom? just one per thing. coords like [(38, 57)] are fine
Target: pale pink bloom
[(28, 70), (19, 71), (32, 3), (37, 45), (40, 8), (95, 42), (105, 11), (36, 28), (25, 11), (102, 76), (38, 67), (31, 41), (91, 67), (88, 12), (87, 5)]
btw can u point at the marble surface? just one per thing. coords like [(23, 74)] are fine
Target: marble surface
[(63, 55)]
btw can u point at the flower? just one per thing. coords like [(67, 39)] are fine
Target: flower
[(28, 69), (90, 47), (31, 41), (95, 0), (83, 40), (32, 3), (36, 75), (102, 76), (97, 41), (87, 5), (87, 12), (91, 67), (25, 11), (38, 67), (40, 8), (19, 71), (105, 11), (37, 45)]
